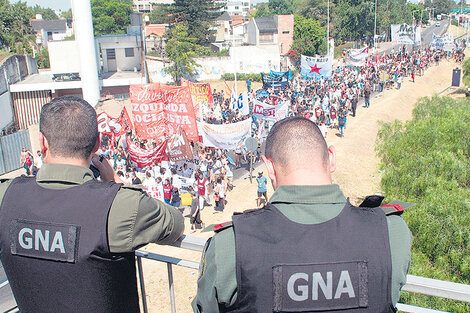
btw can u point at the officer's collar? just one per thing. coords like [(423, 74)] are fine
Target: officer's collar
[(308, 194), (74, 174)]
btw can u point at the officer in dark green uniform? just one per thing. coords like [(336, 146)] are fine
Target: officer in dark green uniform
[(308, 250), (68, 240)]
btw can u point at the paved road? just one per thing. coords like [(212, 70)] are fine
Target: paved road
[(426, 37)]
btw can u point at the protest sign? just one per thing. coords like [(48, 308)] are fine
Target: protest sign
[(182, 183), (316, 67), (240, 103), (225, 136), (142, 157), (153, 190), (275, 82), (179, 148), (159, 110), (269, 112), (114, 126), (405, 34)]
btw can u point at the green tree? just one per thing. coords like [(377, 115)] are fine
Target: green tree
[(281, 7), (262, 10), (309, 38), (42, 57), (425, 161), (199, 16), (466, 72), (111, 16), (16, 33), (355, 19), (393, 12), (159, 14), (66, 14), (47, 13), (441, 6), (180, 49)]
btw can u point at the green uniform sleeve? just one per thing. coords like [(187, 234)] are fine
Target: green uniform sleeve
[(400, 248), (135, 219), (3, 189), (217, 283)]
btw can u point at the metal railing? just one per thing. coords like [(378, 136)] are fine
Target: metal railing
[(415, 284)]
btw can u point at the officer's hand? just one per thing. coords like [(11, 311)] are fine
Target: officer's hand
[(106, 171)]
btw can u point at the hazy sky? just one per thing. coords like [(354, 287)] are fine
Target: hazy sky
[(63, 5)]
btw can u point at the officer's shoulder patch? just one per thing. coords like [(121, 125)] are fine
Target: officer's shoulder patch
[(395, 207), (218, 227)]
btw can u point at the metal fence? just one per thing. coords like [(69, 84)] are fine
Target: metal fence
[(416, 284), (10, 149)]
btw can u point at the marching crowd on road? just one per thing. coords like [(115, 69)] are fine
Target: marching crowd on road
[(208, 177)]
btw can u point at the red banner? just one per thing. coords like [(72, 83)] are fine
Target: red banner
[(142, 157), (179, 148), (114, 126), (159, 110), (200, 93)]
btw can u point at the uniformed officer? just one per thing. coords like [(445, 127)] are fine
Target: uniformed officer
[(308, 249), (67, 240)]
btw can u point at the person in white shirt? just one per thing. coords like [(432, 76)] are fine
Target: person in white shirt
[(39, 160)]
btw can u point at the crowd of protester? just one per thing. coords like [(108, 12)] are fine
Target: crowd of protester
[(327, 102)]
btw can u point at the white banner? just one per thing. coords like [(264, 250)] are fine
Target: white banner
[(357, 57), (406, 34), (269, 112), (225, 136), (316, 67), (241, 103)]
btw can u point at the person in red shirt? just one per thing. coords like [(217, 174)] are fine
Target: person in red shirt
[(167, 189), (202, 184)]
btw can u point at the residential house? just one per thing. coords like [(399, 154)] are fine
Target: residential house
[(155, 37), (50, 30), (277, 29)]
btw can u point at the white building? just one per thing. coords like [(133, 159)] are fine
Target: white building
[(145, 6), (237, 7)]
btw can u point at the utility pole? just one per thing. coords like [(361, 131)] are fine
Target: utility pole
[(375, 25), (328, 31)]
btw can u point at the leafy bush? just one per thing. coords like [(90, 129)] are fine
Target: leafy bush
[(426, 162), (256, 77)]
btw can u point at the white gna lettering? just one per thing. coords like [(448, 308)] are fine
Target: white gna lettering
[(344, 285), (27, 236)]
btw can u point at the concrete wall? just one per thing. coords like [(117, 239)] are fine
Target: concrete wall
[(6, 117), (64, 56), (243, 59), (251, 33)]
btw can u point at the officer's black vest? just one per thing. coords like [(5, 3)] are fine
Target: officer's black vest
[(55, 249), (343, 264)]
